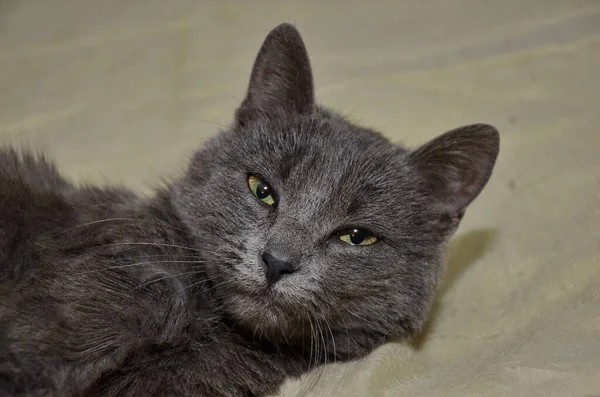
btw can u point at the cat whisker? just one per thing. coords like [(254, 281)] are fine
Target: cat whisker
[(355, 315), (153, 245), (324, 345), (198, 269), (325, 353), (195, 284), (332, 340), (160, 256), (221, 237), (283, 335), (315, 370), (301, 391), (384, 338), (202, 282), (306, 379), (139, 264), (347, 348), (162, 224), (218, 285)]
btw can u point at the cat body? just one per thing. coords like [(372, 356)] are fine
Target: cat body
[(294, 239)]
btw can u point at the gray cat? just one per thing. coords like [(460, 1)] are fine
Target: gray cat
[(294, 239)]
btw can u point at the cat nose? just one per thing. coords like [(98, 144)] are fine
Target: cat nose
[(276, 268)]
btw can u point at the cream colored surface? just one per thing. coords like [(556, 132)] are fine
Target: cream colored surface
[(122, 91)]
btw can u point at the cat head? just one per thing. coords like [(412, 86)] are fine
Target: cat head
[(306, 218)]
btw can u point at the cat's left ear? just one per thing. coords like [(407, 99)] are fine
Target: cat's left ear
[(281, 81), (457, 165)]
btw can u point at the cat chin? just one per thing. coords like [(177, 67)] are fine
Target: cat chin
[(263, 316)]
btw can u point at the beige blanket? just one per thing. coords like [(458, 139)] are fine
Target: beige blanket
[(123, 90)]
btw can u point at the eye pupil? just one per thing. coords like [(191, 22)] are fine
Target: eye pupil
[(357, 236), (262, 191)]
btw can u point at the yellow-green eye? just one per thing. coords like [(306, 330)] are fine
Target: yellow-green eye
[(358, 237), (261, 190)]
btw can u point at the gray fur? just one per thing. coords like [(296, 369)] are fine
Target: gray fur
[(103, 293)]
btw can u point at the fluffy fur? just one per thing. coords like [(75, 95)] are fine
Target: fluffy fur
[(104, 293)]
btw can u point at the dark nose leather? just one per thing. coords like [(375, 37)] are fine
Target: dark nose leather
[(276, 268)]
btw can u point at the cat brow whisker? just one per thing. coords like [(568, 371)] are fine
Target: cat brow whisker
[(202, 120), (238, 100)]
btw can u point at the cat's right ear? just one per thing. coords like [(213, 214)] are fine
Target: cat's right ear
[(281, 81)]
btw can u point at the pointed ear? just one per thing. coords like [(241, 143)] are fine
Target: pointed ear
[(281, 79), (458, 164)]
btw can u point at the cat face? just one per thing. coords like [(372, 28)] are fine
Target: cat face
[(306, 218)]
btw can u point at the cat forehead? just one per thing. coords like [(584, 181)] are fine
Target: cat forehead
[(326, 142)]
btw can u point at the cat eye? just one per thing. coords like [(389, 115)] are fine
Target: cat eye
[(357, 237), (261, 190)]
